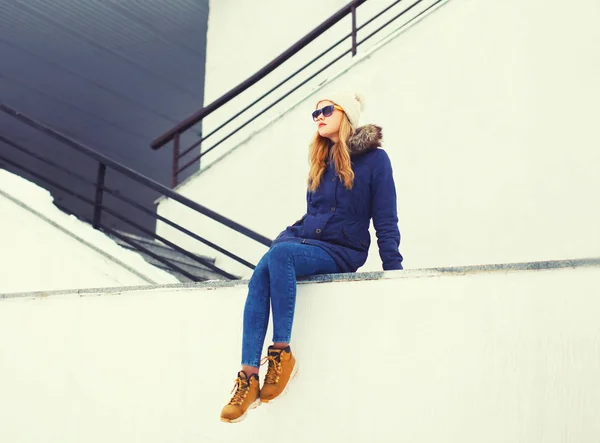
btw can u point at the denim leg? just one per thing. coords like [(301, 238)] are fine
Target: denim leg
[(256, 314), (286, 262)]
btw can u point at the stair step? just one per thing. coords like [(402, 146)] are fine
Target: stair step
[(197, 269)]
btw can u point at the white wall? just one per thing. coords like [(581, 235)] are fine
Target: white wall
[(489, 112), (44, 249), (244, 36), (493, 357)]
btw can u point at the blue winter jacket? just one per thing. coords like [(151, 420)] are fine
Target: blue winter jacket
[(337, 219)]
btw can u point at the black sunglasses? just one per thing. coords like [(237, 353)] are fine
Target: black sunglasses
[(326, 111)]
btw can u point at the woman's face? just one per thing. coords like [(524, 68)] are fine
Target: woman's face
[(329, 127)]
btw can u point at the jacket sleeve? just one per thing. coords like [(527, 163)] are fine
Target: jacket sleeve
[(385, 213)]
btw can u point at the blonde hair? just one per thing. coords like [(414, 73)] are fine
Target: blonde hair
[(340, 157)]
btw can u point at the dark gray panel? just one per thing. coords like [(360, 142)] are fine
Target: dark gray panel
[(109, 73)]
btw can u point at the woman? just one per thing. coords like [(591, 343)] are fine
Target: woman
[(350, 181)]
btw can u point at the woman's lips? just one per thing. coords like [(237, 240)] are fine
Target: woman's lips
[(321, 125)]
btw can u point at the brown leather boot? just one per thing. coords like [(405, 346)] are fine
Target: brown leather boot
[(246, 397), (282, 368)]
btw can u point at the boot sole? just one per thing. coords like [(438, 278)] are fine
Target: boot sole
[(294, 372), (254, 405)]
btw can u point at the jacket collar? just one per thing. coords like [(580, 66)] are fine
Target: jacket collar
[(365, 138)]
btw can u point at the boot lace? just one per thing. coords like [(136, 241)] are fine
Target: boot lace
[(274, 369), (242, 386)]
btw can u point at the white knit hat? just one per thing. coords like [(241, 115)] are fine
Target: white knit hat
[(352, 102)]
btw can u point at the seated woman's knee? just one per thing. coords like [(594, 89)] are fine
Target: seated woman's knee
[(281, 251), (260, 275)]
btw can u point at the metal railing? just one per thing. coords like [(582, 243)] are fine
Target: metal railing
[(174, 135), (100, 189)]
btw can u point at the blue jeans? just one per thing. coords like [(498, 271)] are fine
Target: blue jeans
[(273, 283)]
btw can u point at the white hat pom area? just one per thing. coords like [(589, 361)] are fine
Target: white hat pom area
[(352, 103)]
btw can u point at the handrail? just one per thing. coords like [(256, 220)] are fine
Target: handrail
[(136, 176), (96, 202), (195, 118), (174, 134), (114, 193)]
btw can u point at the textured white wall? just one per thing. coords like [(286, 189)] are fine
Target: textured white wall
[(497, 357), (47, 250), (245, 36), (489, 111)]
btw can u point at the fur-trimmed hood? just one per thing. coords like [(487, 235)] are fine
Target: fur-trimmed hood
[(365, 138)]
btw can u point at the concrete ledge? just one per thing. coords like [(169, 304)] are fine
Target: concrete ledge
[(328, 278), (492, 354)]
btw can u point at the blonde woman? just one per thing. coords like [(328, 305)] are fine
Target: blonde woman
[(350, 182)]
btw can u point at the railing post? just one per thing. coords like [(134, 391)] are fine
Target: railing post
[(354, 45), (99, 195), (175, 170), (200, 146)]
